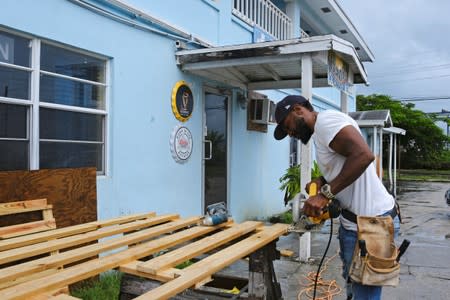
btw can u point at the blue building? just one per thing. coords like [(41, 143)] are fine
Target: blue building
[(170, 100)]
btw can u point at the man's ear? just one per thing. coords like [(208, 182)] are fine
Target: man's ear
[(297, 108)]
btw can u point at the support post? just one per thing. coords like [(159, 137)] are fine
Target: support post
[(305, 155)]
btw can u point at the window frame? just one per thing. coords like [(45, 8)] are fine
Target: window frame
[(33, 104)]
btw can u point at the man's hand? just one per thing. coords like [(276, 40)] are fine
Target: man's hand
[(314, 205), (318, 181)]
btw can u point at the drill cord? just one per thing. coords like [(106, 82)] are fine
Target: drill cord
[(323, 257)]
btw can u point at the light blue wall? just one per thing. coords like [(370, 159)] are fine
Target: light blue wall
[(142, 173)]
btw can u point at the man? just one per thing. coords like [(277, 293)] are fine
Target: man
[(345, 161)]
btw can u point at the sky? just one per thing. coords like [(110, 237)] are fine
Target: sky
[(410, 40)]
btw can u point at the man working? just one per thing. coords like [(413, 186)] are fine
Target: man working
[(345, 161)]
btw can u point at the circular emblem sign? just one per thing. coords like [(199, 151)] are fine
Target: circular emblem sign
[(181, 144), (182, 101)]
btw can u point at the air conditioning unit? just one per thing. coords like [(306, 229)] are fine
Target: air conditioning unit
[(262, 111)]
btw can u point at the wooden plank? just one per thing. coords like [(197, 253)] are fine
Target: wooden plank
[(63, 297), (213, 263), (192, 250), (163, 276), (26, 228), (102, 264), (27, 277), (72, 189), (124, 219), (45, 247), (17, 271), (17, 207), (68, 231)]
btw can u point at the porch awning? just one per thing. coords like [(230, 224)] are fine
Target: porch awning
[(370, 118), (271, 65)]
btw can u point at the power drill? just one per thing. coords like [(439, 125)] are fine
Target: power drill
[(331, 210)]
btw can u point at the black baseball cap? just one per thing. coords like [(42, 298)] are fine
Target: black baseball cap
[(283, 108)]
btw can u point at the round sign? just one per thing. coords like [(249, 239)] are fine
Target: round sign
[(181, 144), (182, 101)]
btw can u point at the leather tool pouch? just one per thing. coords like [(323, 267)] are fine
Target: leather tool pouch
[(374, 259)]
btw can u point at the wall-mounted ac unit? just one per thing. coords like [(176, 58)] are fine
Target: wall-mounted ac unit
[(263, 111)]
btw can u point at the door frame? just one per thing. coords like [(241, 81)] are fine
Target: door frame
[(228, 93)]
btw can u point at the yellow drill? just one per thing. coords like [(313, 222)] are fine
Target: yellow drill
[(331, 210)]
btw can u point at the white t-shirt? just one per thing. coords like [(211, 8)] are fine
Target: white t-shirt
[(367, 196)]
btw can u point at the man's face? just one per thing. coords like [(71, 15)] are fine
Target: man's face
[(295, 126)]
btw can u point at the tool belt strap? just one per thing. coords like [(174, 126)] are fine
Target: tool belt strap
[(352, 217)]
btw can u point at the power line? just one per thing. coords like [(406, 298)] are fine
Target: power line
[(412, 70), (415, 79)]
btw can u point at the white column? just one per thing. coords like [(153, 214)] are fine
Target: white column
[(293, 12), (381, 153), (307, 74), (305, 172), (344, 102), (34, 112)]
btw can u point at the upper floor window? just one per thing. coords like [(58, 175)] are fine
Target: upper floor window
[(52, 105)]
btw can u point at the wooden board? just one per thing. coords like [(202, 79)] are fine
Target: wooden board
[(192, 250), (170, 239), (68, 231), (17, 207), (67, 242), (72, 192), (214, 263)]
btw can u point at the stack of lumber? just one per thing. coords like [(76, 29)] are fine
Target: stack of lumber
[(27, 271)]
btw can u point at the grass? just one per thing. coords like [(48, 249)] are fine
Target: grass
[(423, 175), (107, 287)]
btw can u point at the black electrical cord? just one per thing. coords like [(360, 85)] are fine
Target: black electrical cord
[(323, 257)]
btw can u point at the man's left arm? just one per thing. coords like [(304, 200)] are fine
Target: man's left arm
[(349, 143)]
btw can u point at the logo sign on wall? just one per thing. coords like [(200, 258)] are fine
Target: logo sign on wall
[(181, 144), (338, 72), (182, 101)]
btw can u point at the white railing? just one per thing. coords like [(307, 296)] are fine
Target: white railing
[(264, 14), (303, 34)]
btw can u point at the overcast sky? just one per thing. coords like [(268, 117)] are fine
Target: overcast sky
[(410, 40)]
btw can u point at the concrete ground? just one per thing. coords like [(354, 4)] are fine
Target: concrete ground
[(425, 270)]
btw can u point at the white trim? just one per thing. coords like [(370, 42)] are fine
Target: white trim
[(73, 78), (34, 111), (15, 101), (17, 67), (75, 49), (14, 139), (106, 120), (71, 141), (72, 108)]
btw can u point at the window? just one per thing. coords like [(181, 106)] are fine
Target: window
[(52, 107)]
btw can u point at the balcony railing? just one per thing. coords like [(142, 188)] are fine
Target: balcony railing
[(264, 14)]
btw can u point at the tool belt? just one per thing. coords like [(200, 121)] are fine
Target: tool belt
[(374, 259), (352, 217)]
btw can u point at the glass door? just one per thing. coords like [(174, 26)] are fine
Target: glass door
[(216, 147)]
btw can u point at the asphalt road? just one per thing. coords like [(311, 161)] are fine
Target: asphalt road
[(425, 269)]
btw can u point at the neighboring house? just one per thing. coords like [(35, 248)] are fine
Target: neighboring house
[(158, 94)]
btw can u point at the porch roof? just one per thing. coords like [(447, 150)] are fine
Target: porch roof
[(370, 118), (271, 65)]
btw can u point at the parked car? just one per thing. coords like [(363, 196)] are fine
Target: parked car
[(447, 196)]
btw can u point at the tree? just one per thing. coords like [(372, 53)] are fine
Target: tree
[(424, 145)]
